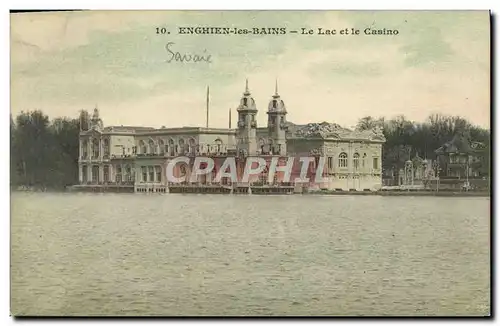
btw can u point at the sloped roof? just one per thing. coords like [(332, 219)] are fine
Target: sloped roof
[(460, 144), (326, 130), (128, 128)]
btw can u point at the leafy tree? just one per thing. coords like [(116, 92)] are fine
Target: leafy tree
[(405, 139), (44, 154)]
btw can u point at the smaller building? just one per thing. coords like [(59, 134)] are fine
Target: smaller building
[(463, 161)]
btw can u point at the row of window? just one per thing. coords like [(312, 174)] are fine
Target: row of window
[(95, 148), (178, 149), (153, 147), (343, 161), (151, 173), (463, 159), (121, 175), (160, 146)]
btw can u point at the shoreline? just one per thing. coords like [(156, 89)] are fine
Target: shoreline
[(406, 193), (389, 193)]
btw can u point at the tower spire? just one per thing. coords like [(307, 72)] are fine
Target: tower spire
[(229, 118), (95, 116), (247, 91), (208, 103), (276, 87), (81, 120)]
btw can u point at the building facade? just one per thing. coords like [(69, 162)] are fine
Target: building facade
[(464, 161), (137, 157)]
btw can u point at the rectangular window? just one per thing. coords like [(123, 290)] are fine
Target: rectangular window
[(356, 162), (95, 174), (84, 173), (342, 160), (106, 173), (375, 163), (158, 173), (151, 174), (330, 163)]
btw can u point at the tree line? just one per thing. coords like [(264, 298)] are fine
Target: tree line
[(44, 152), (406, 139)]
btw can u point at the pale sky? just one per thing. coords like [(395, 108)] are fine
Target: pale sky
[(438, 63)]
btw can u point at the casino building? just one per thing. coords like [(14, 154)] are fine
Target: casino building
[(135, 158)]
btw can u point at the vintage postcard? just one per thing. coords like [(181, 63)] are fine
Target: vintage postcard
[(250, 163)]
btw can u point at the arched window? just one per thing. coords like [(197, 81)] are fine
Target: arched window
[(270, 145), (128, 173), (181, 146), (192, 146), (342, 160), (355, 161), (158, 173), (118, 174), (106, 173), (364, 160), (85, 149), (95, 173), (151, 176), (105, 145), (152, 147), (171, 147), (161, 146), (262, 143), (95, 148), (143, 147), (84, 174), (218, 145)]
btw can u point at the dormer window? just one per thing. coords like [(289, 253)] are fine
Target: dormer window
[(245, 101), (275, 104)]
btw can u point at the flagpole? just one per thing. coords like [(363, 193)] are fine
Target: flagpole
[(208, 102), (81, 122)]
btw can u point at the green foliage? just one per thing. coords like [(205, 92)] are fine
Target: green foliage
[(44, 154), (405, 139)]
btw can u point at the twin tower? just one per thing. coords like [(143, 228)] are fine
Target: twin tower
[(246, 134)]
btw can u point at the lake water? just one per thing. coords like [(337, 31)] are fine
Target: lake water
[(132, 254)]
